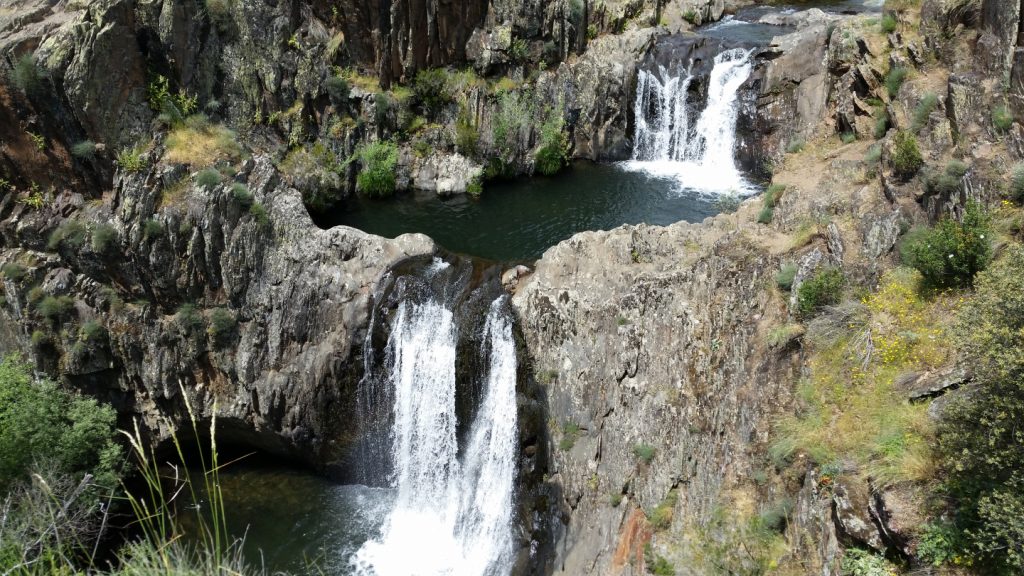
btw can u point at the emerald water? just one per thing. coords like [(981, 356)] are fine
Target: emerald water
[(519, 220)]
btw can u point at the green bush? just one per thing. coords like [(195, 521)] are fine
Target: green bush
[(923, 111), (1002, 118), (222, 326), (785, 276), (554, 145), (514, 115), (518, 51), (475, 187), (822, 289), (85, 150), (92, 331), (337, 90), (857, 562), (874, 154), (888, 23), (644, 452), (26, 75), (104, 238), (55, 307), (980, 440), (42, 423), (152, 229), (947, 182), (259, 213), (431, 89), (894, 80), (952, 253), (906, 157), (71, 234), (208, 178), (377, 176)]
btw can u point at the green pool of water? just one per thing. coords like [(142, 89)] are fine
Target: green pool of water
[(519, 220)]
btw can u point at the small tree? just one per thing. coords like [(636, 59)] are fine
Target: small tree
[(952, 253)]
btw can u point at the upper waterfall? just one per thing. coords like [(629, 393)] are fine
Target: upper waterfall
[(700, 154)]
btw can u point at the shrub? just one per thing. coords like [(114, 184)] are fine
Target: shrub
[(644, 452), (659, 566), (152, 229), (199, 143), (514, 115), (208, 178), (377, 176), (554, 145), (822, 289), (222, 326), (881, 125), (615, 499), (765, 215), (475, 187), (86, 150), (92, 331), (240, 193), (952, 253), (26, 75), (796, 146), (104, 238), (131, 160), (381, 109), (259, 213), (71, 234), (466, 134), (431, 89), (857, 562), (55, 307), (894, 80), (906, 156), (923, 111), (848, 137), (1002, 118), (888, 23), (785, 276), (337, 90), (518, 51)]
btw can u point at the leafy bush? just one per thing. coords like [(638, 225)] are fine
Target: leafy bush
[(513, 117), (131, 160), (952, 253), (1002, 118), (208, 178), (941, 543), (222, 326), (857, 562), (431, 90), (377, 176), (894, 80), (923, 111), (104, 238), (785, 276), (980, 440), (554, 146), (55, 307), (86, 149), (26, 75), (906, 157), (337, 90), (822, 289), (71, 234), (475, 187), (644, 452)]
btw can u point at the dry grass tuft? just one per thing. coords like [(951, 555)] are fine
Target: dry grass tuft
[(199, 143)]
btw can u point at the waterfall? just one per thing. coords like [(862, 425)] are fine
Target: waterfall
[(451, 515), (699, 155)]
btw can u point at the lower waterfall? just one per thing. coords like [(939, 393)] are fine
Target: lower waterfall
[(453, 510), (699, 154)]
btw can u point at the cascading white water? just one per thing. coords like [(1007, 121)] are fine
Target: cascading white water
[(701, 155), (450, 517)]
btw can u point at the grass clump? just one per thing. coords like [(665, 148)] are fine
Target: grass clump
[(820, 290), (466, 134), (906, 156), (952, 253), (104, 238), (241, 195), (888, 24), (131, 160), (554, 145), (796, 146), (152, 229), (781, 336), (337, 89), (55, 308), (377, 176), (923, 111), (771, 200), (785, 276), (222, 326), (316, 172), (851, 409), (848, 137), (208, 178), (199, 143), (189, 319), (84, 150), (894, 80), (13, 271), (948, 181), (1002, 118), (570, 432), (644, 452), (259, 213), (92, 331), (661, 516), (71, 234), (26, 75)]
